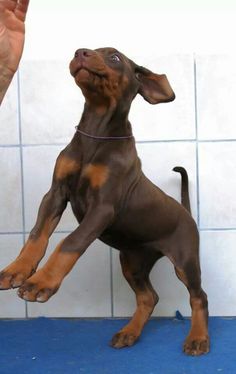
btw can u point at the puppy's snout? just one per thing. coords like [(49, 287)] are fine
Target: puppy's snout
[(83, 53)]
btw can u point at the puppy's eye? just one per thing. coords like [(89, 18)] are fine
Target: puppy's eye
[(115, 58)]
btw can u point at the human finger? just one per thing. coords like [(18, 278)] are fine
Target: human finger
[(21, 9)]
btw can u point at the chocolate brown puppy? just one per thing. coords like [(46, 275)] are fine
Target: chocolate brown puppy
[(100, 174)]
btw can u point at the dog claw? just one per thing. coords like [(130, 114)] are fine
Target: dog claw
[(196, 347), (5, 281), (37, 288), (14, 276), (24, 296), (16, 284), (122, 339), (8, 281)]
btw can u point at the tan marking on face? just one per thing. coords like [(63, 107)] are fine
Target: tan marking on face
[(101, 109), (97, 174), (117, 85), (125, 81), (66, 166)]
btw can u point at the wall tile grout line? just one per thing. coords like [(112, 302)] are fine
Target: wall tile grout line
[(217, 140), (215, 229), (21, 166), (26, 145), (197, 144), (137, 142), (68, 232), (11, 233), (164, 141), (9, 146)]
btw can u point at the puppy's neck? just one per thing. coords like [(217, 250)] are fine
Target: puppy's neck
[(105, 121)]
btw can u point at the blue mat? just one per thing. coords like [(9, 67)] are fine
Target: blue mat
[(66, 346)]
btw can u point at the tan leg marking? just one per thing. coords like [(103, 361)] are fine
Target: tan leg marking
[(182, 276), (46, 281), (131, 332), (197, 341), (26, 263)]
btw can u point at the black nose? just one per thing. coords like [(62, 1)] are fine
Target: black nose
[(83, 53)]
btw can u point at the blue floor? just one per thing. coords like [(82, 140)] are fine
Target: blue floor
[(64, 346)]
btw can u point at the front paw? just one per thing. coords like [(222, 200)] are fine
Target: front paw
[(196, 346), (40, 287), (15, 274)]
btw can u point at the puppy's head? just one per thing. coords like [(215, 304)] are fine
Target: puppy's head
[(105, 75)]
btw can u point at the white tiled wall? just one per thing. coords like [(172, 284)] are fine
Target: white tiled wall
[(168, 121), (197, 131), (11, 190), (218, 270), (9, 134), (55, 102), (216, 82), (217, 180)]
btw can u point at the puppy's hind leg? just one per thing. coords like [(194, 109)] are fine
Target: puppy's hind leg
[(187, 268), (136, 267)]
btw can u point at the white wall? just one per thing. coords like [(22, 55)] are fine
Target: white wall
[(194, 47)]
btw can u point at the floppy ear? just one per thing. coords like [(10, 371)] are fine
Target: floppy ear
[(154, 88)]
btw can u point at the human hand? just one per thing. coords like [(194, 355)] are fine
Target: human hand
[(12, 33)]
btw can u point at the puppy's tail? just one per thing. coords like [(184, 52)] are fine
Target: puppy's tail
[(184, 187)]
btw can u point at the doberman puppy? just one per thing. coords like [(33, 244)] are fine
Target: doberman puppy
[(100, 173)]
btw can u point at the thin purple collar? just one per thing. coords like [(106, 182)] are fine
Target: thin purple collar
[(103, 137)]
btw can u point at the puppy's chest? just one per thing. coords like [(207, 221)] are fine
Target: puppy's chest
[(72, 171), (94, 175), (84, 184)]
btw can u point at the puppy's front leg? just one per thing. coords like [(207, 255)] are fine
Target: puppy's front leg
[(46, 281), (50, 211)]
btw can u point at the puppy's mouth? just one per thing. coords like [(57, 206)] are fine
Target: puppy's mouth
[(77, 69)]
